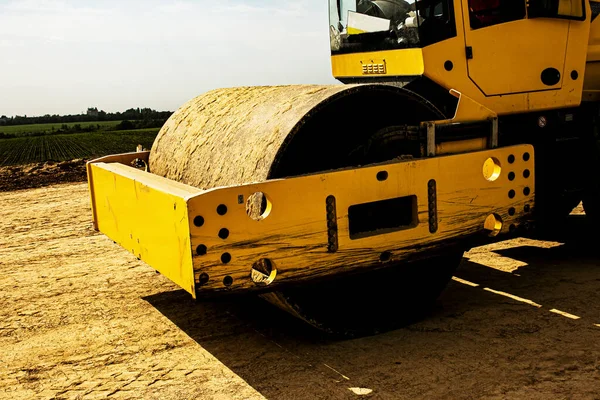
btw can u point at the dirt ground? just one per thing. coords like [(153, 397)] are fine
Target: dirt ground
[(13, 177), (82, 318)]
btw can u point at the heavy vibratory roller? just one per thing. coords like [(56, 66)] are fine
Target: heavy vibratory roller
[(241, 135), (350, 206)]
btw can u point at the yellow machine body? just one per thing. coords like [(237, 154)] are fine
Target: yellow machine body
[(459, 123), (591, 83), (499, 65)]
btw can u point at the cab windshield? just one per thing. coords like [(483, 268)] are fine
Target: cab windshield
[(371, 25)]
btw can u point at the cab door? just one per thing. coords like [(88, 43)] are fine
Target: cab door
[(507, 52)]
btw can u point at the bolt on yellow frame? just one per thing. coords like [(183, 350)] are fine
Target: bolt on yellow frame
[(313, 226)]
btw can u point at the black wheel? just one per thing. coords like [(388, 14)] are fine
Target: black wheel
[(553, 212), (591, 205), (373, 302), (591, 199)]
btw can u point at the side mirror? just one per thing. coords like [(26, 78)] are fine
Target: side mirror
[(562, 9)]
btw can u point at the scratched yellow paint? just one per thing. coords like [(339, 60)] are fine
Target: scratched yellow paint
[(294, 235), (153, 217), (145, 214)]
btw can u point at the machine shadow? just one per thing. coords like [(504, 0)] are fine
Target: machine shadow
[(473, 335)]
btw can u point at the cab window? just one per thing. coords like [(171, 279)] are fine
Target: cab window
[(438, 21), (484, 13), (373, 25), (566, 9)]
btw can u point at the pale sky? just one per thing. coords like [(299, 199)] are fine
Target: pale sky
[(61, 57)]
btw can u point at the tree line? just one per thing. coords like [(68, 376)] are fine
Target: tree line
[(93, 115)]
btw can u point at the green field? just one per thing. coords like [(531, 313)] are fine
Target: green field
[(39, 129), (62, 147)]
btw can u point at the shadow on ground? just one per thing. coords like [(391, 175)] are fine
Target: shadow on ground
[(477, 342)]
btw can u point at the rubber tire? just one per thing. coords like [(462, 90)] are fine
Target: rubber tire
[(376, 300), (372, 302), (591, 205)]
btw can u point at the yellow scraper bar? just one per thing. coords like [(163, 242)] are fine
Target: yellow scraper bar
[(315, 225), (146, 214)]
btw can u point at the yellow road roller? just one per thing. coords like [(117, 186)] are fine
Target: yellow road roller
[(458, 122)]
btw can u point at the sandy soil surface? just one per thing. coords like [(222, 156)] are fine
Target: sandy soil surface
[(82, 318)]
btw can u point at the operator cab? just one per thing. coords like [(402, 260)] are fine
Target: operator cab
[(372, 25)]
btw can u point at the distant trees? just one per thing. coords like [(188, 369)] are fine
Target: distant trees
[(93, 114), (125, 125)]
